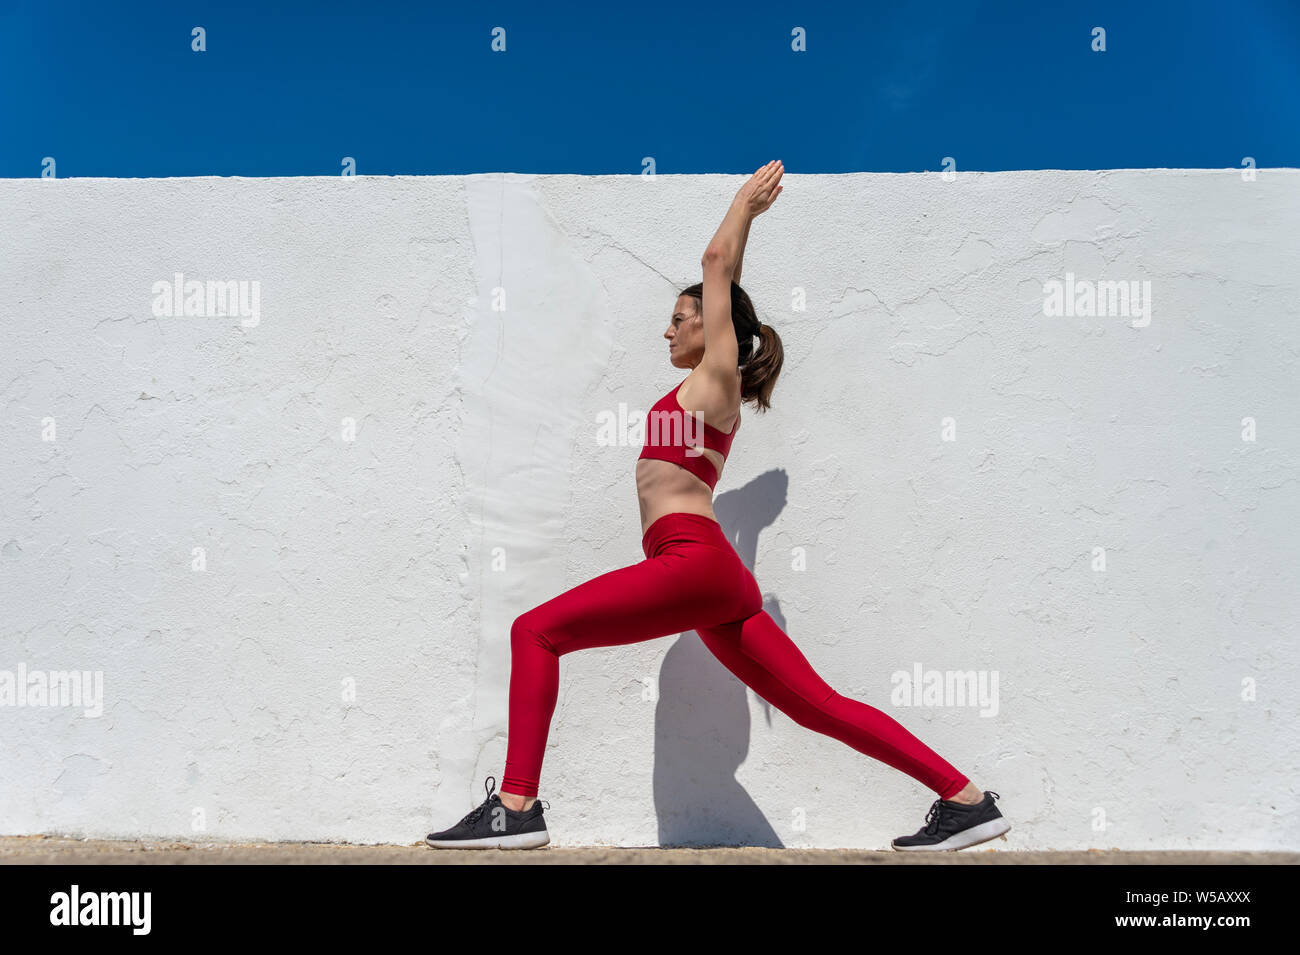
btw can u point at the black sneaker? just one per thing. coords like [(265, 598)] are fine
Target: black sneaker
[(494, 825), (951, 825)]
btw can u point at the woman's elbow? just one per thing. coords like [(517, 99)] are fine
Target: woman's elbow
[(716, 257)]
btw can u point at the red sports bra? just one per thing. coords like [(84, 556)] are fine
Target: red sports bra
[(673, 434)]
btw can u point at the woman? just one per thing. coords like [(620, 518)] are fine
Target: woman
[(692, 578)]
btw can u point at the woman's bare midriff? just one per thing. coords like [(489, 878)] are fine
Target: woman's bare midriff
[(664, 488)]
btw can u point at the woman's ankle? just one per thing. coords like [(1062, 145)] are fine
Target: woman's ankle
[(516, 802), (968, 796)]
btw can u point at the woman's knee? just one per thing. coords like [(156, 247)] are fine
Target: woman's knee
[(807, 716), (529, 630)]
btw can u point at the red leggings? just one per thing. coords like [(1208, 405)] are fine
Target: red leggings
[(692, 579)]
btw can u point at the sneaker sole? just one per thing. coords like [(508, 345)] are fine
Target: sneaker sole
[(964, 839), (522, 840)]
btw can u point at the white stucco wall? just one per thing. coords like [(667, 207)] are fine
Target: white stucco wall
[(1152, 703)]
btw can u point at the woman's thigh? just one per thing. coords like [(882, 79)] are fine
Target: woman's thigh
[(683, 588), (763, 657)]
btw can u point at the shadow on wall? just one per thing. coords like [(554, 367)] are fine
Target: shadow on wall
[(702, 726)]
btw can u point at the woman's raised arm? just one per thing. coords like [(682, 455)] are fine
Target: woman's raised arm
[(740, 256), (754, 198), (721, 263)]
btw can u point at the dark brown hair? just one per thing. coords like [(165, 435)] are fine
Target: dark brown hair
[(759, 367)]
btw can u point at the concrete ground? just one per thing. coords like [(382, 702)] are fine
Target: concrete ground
[(47, 850)]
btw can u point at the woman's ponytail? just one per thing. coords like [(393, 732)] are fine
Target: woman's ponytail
[(758, 375)]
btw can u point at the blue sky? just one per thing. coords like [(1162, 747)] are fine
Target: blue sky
[(290, 88)]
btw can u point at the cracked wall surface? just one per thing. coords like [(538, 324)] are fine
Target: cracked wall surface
[(294, 548)]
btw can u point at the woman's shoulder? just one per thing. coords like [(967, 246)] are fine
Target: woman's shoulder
[(711, 398)]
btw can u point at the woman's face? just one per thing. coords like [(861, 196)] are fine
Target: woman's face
[(685, 333)]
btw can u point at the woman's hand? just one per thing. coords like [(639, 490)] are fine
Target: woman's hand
[(754, 198), (757, 195)]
